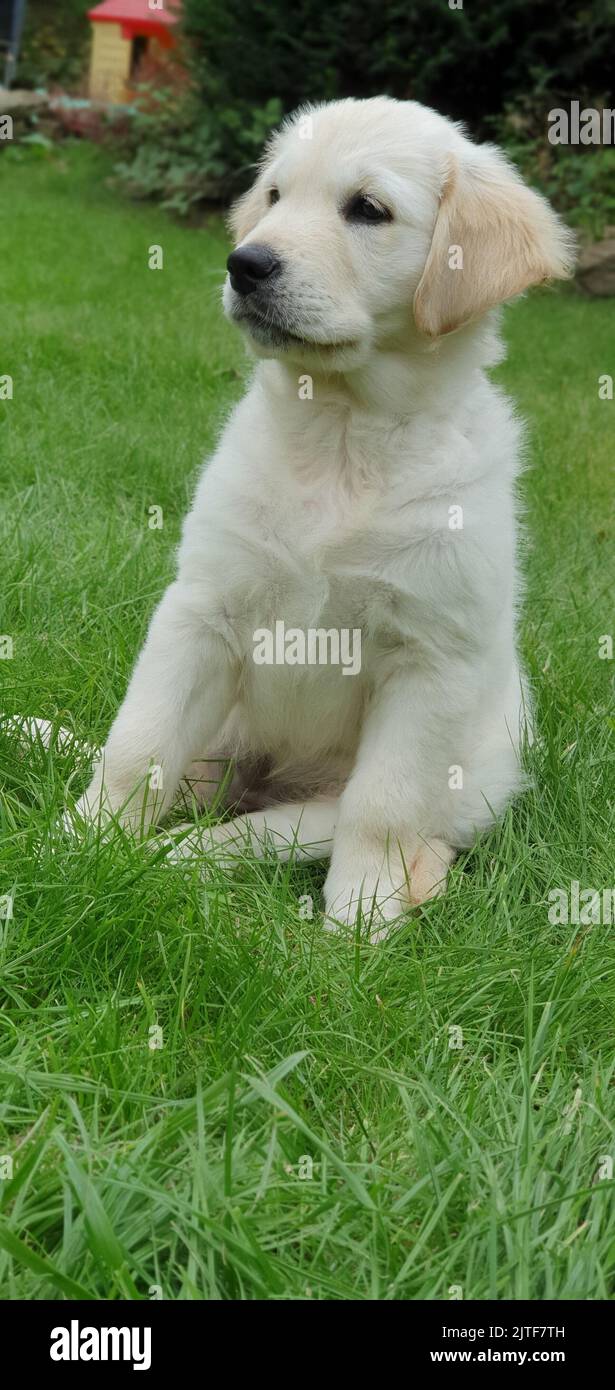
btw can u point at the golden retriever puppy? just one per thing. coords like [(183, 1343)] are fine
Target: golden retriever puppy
[(342, 624)]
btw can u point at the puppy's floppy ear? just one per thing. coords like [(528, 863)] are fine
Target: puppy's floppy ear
[(245, 213), (509, 238)]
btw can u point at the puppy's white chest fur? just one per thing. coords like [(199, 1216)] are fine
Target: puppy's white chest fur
[(321, 515)]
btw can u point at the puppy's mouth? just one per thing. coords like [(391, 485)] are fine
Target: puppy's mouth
[(269, 331)]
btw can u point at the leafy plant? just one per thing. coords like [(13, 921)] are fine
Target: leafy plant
[(579, 180), (184, 153)]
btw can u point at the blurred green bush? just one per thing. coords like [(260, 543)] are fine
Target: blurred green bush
[(54, 46), (469, 63)]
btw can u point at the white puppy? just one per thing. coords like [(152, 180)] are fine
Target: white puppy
[(364, 484)]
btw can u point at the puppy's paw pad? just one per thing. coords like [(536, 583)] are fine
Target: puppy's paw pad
[(428, 871)]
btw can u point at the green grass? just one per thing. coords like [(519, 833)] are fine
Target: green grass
[(180, 1167)]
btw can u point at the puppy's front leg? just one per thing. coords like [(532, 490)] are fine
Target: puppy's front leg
[(387, 854), (181, 691)]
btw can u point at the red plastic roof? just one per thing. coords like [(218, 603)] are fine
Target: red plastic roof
[(135, 12)]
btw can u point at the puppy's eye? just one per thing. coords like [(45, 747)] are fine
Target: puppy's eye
[(273, 196), (363, 208)]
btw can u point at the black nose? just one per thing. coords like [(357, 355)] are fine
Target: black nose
[(250, 265)]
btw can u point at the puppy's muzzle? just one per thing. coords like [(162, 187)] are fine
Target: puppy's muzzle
[(251, 266)]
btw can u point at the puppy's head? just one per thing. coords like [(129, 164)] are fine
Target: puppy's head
[(373, 220)]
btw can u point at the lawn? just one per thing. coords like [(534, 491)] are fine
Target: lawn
[(203, 1095)]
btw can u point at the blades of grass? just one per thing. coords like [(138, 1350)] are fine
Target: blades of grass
[(103, 1242), (273, 1097), (41, 1266)]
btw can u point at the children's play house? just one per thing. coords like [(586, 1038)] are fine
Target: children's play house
[(122, 32)]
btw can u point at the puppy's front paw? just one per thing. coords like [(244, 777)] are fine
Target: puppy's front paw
[(373, 903), (92, 808), (104, 807), (379, 899)]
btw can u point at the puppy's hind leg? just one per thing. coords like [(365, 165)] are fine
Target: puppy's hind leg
[(301, 830)]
